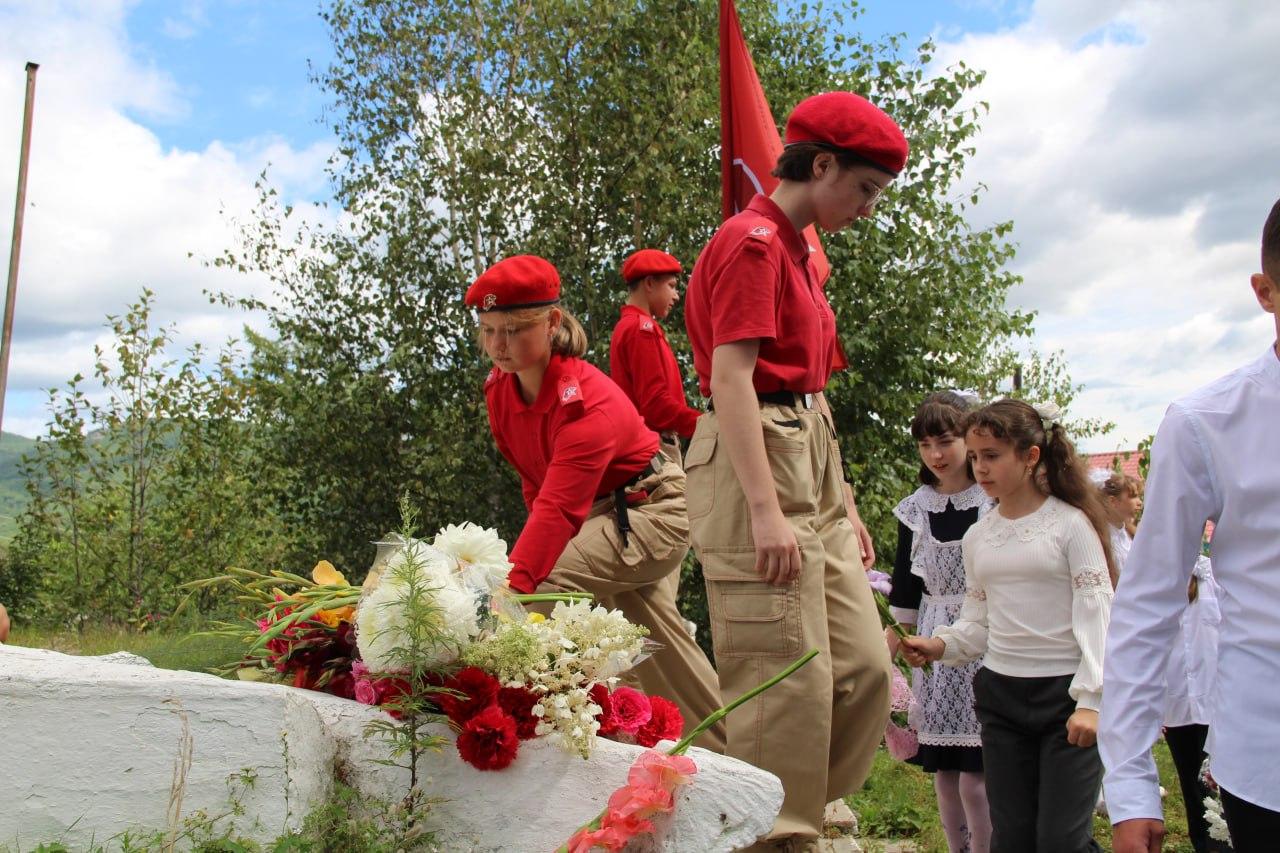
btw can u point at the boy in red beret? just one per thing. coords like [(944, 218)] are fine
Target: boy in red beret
[(640, 359), (606, 509), (773, 522)]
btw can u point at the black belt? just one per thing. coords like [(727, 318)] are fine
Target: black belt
[(620, 497), (795, 399)]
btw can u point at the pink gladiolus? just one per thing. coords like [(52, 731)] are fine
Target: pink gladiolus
[(880, 582), (659, 770), (640, 801), (609, 837), (902, 743)]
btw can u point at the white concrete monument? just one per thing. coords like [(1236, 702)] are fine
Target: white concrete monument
[(95, 746)]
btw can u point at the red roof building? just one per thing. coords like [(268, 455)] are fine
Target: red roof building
[(1127, 460)]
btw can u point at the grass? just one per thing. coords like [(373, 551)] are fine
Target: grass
[(166, 650), (897, 804)]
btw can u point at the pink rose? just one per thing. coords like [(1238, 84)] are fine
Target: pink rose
[(631, 709), (365, 693)]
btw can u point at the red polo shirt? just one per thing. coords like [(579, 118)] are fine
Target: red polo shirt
[(645, 368), (755, 279), (581, 438)]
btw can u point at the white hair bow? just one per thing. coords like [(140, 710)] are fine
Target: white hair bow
[(1049, 414)]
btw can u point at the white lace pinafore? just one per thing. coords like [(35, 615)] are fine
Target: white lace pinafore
[(942, 710)]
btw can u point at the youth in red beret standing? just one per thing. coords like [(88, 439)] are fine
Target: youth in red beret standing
[(640, 359), (773, 522), (606, 509)]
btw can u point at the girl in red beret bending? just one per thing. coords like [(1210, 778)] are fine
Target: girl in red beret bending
[(606, 509), (774, 524)]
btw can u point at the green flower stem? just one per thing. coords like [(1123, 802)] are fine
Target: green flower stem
[(535, 597), (887, 618), (298, 616), (716, 716)]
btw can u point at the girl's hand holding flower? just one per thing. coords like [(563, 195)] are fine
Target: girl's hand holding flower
[(919, 651)]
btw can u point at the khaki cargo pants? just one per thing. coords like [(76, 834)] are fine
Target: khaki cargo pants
[(817, 730), (642, 581)]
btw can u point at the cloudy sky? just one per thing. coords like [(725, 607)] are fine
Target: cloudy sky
[(1130, 142)]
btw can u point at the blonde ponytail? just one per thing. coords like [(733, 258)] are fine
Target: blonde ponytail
[(570, 339)]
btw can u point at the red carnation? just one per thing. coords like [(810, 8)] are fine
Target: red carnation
[(665, 723), (631, 709), (518, 702), (608, 722), (387, 690), (488, 741), (476, 690)]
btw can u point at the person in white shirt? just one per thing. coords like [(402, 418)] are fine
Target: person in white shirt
[(1216, 456), (1193, 665), (1037, 599)]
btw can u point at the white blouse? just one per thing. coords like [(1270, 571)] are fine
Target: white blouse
[(1037, 599), (1121, 542)]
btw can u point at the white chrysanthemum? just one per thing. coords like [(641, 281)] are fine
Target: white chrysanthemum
[(481, 554), (380, 619)]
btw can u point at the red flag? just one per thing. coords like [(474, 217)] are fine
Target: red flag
[(749, 141)]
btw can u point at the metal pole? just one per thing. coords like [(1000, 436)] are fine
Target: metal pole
[(19, 208)]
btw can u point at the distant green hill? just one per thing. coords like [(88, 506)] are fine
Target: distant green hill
[(13, 488)]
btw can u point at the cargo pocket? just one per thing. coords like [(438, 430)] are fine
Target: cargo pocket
[(654, 535), (748, 616), (700, 483), (794, 476)]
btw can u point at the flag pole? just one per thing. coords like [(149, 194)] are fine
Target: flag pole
[(15, 248)]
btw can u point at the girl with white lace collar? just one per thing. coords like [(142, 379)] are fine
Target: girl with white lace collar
[(928, 591), (1038, 586)]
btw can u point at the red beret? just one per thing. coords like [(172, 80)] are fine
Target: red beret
[(649, 262), (851, 122), (521, 281)]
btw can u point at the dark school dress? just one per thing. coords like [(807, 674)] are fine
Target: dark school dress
[(928, 577)]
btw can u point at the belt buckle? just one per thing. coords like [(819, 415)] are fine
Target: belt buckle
[(807, 399)]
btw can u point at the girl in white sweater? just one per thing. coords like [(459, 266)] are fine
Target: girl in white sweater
[(1037, 601)]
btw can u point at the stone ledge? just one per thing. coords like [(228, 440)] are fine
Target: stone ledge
[(100, 740)]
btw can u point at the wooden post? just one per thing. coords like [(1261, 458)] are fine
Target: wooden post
[(15, 249)]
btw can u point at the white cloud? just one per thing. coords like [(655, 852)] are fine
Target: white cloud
[(111, 209), (191, 18), (1134, 145)]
